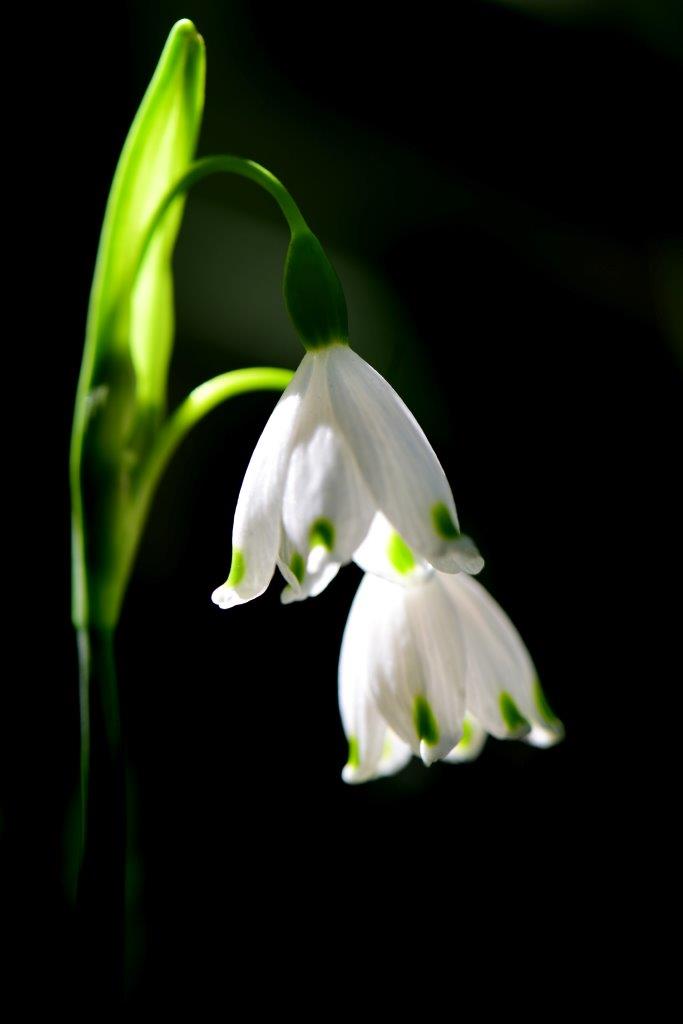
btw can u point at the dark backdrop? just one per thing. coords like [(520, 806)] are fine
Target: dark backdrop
[(500, 194)]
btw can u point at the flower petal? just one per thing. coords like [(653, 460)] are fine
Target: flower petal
[(365, 729), (303, 583), (384, 553), (397, 462), (395, 754), (327, 509), (417, 663), (503, 691), (256, 528), (471, 744)]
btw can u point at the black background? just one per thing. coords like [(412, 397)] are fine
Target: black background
[(501, 195)]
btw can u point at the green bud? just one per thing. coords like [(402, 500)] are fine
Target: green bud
[(313, 293)]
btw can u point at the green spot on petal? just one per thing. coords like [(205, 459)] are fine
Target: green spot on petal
[(298, 567), (467, 734), (544, 708), (512, 716), (425, 722), (354, 753), (400, 555), (322, 534), (237, 569), (443, 523)]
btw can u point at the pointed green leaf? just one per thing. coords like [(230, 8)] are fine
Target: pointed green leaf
[(159, 147), (122, 385)]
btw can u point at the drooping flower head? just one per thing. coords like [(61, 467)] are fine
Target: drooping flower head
[(429, 664), (339, 448)]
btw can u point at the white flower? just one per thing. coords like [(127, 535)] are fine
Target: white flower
[(339, 447), (429, 667)]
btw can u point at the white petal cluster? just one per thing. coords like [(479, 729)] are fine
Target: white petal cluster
[(339, 448), (429, 665)]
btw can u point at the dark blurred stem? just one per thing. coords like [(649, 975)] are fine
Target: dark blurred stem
[(101, 887)]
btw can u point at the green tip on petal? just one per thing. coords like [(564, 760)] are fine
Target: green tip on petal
[(400, 555), (354, 753), (425, 722), (443, 522), (237, 569), (322, 534), (544, 708), (298, 567), (512, 716), (467, 734)]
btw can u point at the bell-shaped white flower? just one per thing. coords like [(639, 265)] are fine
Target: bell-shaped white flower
[(339, 447), (430, 667)]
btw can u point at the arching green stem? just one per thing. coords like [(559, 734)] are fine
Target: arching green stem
[(197, 404), (211, 165), (312, 290)]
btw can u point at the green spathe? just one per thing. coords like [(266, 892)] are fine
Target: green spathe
[(122, 385), (426, 725), (159, 147), (313, 293)]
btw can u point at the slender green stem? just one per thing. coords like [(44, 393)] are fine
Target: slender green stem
[(98, 692), (197, 404), (101, 887), (210, 165), (84, 705)]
